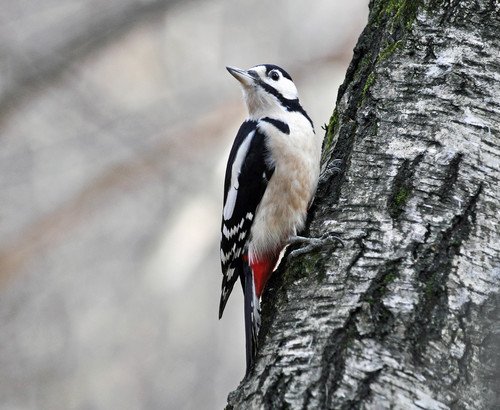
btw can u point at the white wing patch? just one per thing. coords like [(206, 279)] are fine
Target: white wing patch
[(234, 252), (230, 203), (229, 233), (226, 256), (235, 173)]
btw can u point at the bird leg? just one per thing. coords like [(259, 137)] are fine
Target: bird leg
[(312, 243)]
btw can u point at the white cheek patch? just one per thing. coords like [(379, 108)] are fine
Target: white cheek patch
[(286, 88)]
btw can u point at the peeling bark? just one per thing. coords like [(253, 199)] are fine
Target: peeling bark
[(407, 315)]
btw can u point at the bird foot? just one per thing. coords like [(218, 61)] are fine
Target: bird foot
[(335, 165), (313, 243)]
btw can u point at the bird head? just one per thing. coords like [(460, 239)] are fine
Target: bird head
[(266, 88)]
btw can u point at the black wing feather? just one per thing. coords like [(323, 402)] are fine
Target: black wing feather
[(253, 178)]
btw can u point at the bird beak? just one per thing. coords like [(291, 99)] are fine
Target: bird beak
[(242, 76)]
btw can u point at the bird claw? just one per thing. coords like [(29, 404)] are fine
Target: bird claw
[(313, 243), (336, 162), (331, 237), (335, 165)]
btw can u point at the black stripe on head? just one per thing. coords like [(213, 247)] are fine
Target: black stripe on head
[(270, 67), (290, 105)]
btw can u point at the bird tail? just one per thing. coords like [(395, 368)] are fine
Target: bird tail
[(252, 316)]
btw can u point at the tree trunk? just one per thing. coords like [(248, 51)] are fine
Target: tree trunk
[(407, 314)]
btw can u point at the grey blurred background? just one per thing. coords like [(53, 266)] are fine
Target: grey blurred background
[(116, 119)]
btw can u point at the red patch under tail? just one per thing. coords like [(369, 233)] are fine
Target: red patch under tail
[(262, 270)]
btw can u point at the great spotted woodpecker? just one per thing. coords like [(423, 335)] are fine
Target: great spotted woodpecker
[(271, 177)]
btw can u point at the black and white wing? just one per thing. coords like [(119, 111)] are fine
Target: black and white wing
[(247, 174)]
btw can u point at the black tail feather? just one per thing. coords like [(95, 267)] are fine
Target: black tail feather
[(222, 304), (227, 287), (252, 317)]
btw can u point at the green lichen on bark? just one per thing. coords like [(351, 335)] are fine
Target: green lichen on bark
[(331, 130), (388, 26), (401, 197), (390, 49), (402, 186), (369, 82), (403, 11)]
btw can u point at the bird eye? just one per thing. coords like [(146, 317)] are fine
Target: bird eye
[(275, 76)]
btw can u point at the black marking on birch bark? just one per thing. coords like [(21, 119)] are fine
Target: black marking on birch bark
[(434, 268), (274, 397), (417, 246), (358, 255), (451, 177), (360, 242), (463, 362), (329, 187), (333, 359), (402, 186), (363, 392), (489, 351), (381, 317)]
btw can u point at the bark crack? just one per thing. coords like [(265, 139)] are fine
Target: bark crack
[(333, 359), (363, 392), (433, 270), (402, 186), (450, 177)]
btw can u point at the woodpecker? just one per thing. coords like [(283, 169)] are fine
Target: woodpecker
[(270, 181)]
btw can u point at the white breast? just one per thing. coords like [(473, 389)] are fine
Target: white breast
[(283, 209)]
